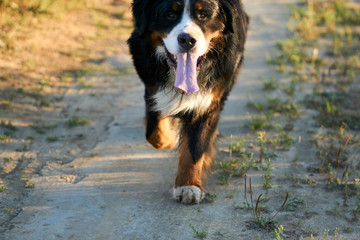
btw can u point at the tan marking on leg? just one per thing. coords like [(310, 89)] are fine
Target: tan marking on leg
[(163, 136), (190, 174)]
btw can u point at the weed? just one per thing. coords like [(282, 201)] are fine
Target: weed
[(30, 185), (276, 105), (308, 229), (266, 175), (77, 121), (238, 146), (210, 197), (259, 221), (31, 138), (52, 139), (200, 234), (5, 138), (8, 159), (43, 127), (7, 125), (84, 84), (259, 122), (290, 90), (23, 149), (261, 136), (9, 210), (5, 105), (272, 84), (2, 188), (278, 232), (230, 195), (283, 140), (237, 166), (293, 204), (336, 234)]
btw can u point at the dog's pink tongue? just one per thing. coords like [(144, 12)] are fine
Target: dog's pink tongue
[(186, 74)]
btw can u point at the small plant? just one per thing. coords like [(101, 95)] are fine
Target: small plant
[(31, 138), (230, 195), (293, 204), (262, 139), (308, 229), (278, 232), (200, 234), (77, 121), (8, 159), (5, 138), (2, 188), (336, 234), (30, 185), (8, 125), (52, 139), (272, 84), (258, 123), (5, 105), (43, 127), (259, 220), (236, 147), (210, 197), (237, 166), (266, 176)]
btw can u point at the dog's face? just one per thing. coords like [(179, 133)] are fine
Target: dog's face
[(186, 26), (182, 31)]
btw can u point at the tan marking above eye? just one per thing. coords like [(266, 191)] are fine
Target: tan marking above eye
[(176, 6), (198, 7)]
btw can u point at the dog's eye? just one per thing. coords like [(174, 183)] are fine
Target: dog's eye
[(201, 15), (171, 15)]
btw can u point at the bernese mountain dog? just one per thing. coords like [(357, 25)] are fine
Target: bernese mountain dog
[(188, 54)]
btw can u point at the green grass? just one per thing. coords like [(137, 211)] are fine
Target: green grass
[(336, 108), (292, 204), (266, 175), (236, 166), (271, 84), (5, 105), (8, 159), (42, 128), (77, 121), (200, 234), (2, 188), (260, 122), (52, 139), (259, 221), (210, 197)]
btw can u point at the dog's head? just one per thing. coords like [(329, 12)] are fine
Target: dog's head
[(184, 31)]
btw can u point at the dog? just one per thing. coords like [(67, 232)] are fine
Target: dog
[(188, 54)]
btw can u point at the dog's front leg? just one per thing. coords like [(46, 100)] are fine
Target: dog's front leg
[(196, 152), (159, 132)]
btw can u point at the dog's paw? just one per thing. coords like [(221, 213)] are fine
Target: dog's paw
[(188, 194)]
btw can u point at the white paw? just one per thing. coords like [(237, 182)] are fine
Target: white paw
[(188, 194)]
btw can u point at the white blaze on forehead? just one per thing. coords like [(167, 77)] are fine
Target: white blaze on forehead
[(186, 25)]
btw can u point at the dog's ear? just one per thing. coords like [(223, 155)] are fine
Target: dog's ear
[(227, 16), (141, 14), (231, 10)]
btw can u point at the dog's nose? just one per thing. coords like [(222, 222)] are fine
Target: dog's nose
[(186, 41)]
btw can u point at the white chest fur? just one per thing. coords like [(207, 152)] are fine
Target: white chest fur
[(171, 102)]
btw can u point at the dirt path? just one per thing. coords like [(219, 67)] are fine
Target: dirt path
[(121, 188)]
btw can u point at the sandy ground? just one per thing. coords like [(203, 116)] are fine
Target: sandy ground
[(114, 185)]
